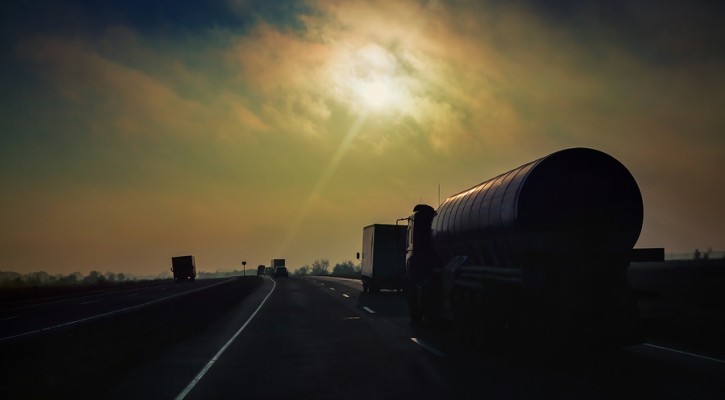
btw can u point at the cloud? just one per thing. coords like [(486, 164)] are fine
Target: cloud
[(118, 98)]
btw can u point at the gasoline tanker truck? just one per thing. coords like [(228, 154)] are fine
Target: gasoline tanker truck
[(540, 251)]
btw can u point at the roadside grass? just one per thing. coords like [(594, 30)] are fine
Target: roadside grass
[(683, 303)]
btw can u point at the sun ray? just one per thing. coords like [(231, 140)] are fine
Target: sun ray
[(327, 173)]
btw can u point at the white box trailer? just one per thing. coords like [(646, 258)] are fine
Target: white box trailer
[(383, 257)]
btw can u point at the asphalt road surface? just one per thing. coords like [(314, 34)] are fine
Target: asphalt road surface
[(305, 338)]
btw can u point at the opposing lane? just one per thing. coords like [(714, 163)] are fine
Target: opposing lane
[(41, 317)]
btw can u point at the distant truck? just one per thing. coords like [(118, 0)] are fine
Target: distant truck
[(260, 270), (276, 262), (383, 257), (184, 268)]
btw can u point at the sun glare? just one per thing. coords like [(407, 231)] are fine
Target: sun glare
[(370, 77), (375, 93)]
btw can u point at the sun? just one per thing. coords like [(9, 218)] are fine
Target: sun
[(370, 77), (375, 93)]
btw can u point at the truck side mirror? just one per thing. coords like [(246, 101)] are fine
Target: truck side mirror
[(358, 255)]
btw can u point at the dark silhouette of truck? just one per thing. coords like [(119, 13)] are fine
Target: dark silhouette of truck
[(383, 257), (273, 264), (539, 251), (184, 268)]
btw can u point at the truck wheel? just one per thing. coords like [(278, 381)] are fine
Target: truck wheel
[(415, 315)]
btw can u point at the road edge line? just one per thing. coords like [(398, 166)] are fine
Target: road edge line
[(700, 356), (211, 362)]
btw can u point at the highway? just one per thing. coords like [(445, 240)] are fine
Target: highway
[(302, 337)]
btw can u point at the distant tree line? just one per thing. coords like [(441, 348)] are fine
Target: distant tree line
[(322, 266), (226, 274), (706, 255), (41, 278)]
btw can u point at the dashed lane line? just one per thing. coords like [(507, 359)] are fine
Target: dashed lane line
[(368, 309), (428, 347)]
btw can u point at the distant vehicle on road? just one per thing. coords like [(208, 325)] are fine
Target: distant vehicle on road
[(276, 262), (281, 272), (184, 268), (273, 265), (260, 270), (383, 257)]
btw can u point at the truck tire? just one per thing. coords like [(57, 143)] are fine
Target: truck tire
[(416, 317), (374, 289)]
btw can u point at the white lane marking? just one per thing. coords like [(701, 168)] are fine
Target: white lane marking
[(345, 295), (369, 310), (428, 347), (685, 353), (351, 318), (224, 348), (9, 318), (110, 312), (332, 288), (322, 284)]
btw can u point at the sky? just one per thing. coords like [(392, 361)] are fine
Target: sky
[(233, 130)]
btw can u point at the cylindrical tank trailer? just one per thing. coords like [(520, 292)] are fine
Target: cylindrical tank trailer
[(544, 246)]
